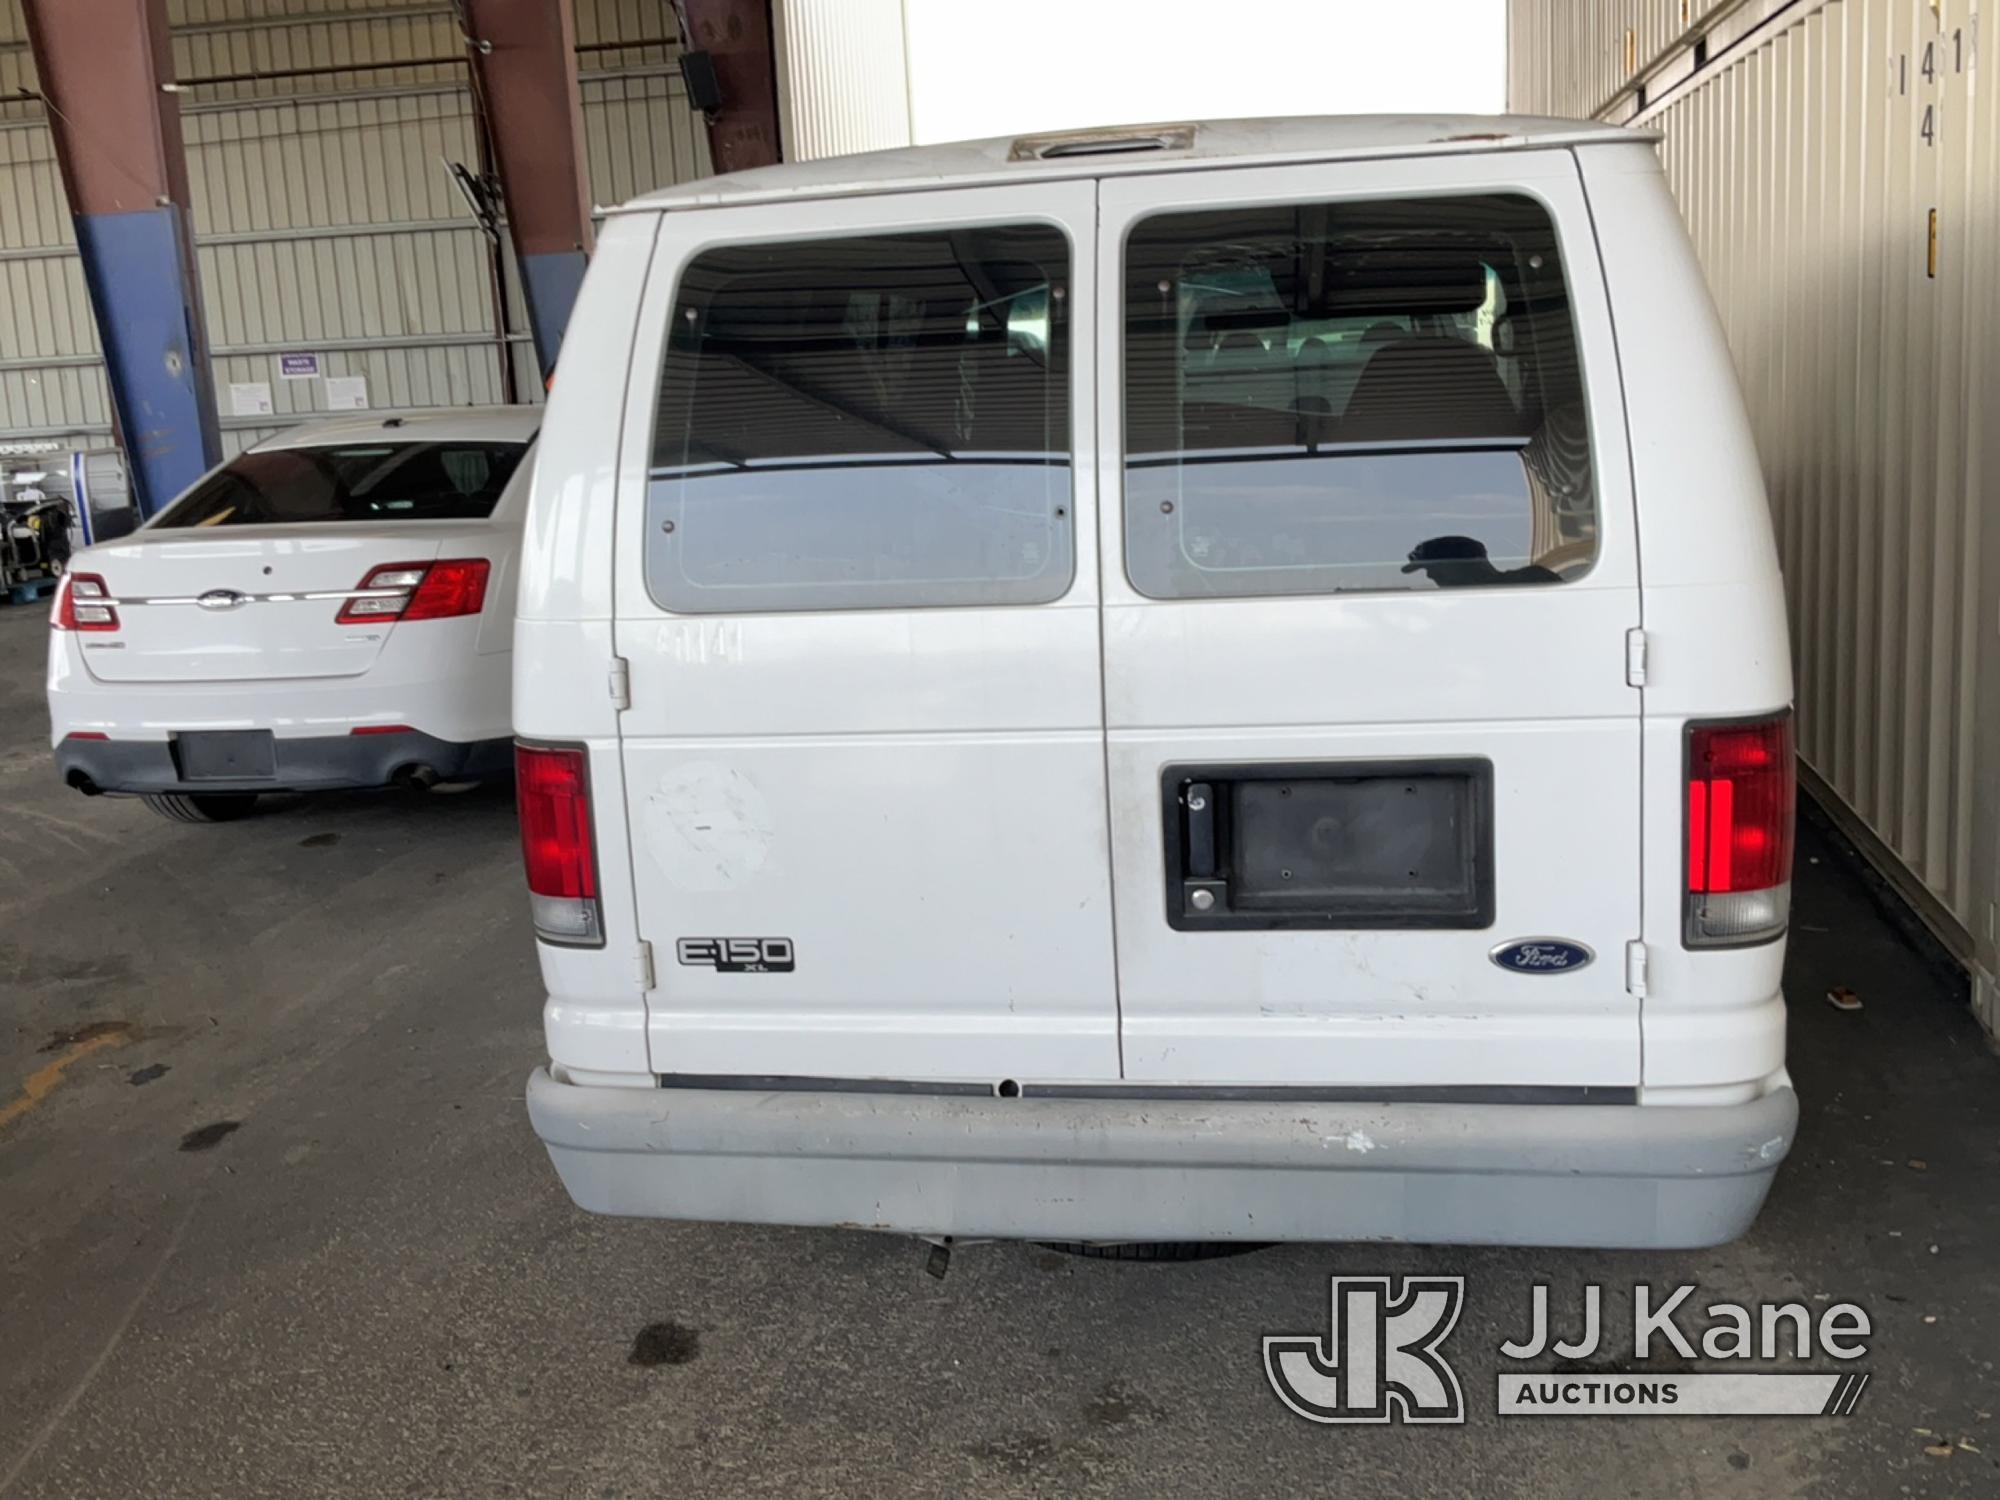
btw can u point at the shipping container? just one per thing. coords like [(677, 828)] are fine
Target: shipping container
[(1838, 167)]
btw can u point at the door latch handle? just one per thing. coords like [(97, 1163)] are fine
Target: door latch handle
[(1198, 803)]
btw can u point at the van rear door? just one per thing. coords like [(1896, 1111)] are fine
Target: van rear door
[(856, 589), (1373, 752)]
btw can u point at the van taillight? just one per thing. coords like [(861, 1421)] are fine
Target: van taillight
[(552, 791), (1741, 788), (441, 590), (84, 603)]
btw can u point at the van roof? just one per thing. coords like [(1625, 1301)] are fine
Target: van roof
[(1120, 150)]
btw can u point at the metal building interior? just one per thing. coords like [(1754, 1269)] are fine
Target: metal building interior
[(364, 194), (325, 147), (271, 1217)]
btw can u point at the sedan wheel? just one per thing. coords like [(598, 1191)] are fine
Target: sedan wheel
[(202, 807)]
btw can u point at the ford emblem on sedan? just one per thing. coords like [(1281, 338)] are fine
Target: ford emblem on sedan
[(1542, 955), (222, 599)]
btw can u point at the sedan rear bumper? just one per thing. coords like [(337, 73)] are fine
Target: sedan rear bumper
[(1105, 1168), (314, 764)]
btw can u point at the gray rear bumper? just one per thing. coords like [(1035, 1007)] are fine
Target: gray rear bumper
[(317, 764), (1123, 1169)]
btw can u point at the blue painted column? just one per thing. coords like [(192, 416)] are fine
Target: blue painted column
[(550, 281), (524, 65), (104, 67)]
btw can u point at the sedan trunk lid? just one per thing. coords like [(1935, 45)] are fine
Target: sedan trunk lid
[(245, 603)]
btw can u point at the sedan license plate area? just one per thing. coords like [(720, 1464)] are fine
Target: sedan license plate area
[(225, 755)]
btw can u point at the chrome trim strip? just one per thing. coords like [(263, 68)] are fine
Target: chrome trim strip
[(254, 598)]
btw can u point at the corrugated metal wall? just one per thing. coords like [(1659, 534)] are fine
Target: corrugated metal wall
[(317, 132), (1586, 58), (843, 81), (1809, 160)]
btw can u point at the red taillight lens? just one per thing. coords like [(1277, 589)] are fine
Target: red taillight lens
[(1741, 791), (451, 588), (552, 791), (84, 603), (441, 590)]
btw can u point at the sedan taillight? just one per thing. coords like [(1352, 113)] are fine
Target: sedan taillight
[(441, 590), (1741, 786), (84, 603)]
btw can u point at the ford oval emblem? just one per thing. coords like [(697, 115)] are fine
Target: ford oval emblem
[(1541, 955), (222, 599)]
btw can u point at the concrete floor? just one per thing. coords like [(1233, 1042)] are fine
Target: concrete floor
[(375, 1286)]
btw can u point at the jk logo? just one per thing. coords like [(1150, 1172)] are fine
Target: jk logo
[(1381, 1363)]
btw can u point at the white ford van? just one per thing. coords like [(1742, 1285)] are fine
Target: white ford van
[(1220, 681)]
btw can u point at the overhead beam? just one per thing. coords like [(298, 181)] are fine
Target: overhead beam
[(106, 73), (524, 64), (742, 118)]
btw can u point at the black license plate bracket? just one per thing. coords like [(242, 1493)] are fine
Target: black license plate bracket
[(225, 755), (1329, 844)]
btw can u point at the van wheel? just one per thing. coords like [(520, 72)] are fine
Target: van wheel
[(201, 807), (1156, 1250)]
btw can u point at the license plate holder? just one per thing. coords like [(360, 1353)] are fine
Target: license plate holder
[(225, 755), (1383, 845)]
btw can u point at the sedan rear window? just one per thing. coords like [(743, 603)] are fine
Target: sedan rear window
[(351, 482)]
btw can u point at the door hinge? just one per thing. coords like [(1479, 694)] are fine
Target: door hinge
[(642, 965), (621, 682), (1635, 968), (1635, 657)]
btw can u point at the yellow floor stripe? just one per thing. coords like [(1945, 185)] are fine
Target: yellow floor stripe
[(43, 1081)]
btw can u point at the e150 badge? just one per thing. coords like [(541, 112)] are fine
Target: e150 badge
[(766, 955)]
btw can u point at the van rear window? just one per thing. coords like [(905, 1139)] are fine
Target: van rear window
[(1325, 397), (872, 422), (351, 482)]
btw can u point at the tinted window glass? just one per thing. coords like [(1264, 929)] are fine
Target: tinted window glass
[(865, 423), (1345, 396), (353, 482)]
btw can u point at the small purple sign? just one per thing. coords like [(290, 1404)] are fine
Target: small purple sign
[(298, 366)]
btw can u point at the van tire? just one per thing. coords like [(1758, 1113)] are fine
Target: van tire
[(201, 807), (1156, 1250)]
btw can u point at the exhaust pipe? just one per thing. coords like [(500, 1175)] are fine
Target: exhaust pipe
[(419, 778), (82, 782)]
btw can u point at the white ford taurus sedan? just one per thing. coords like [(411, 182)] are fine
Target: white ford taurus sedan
[(330, 609)]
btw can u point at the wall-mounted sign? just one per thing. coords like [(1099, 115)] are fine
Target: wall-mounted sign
[(250, 398), (298, 366), (347, 393)]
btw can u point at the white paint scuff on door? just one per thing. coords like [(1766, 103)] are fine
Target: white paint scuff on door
[(708, 828)]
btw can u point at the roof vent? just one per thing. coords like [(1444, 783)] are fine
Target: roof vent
[(1125, 141)]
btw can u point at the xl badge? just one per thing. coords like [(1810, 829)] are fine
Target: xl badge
[(1541, 956), (738, 955)]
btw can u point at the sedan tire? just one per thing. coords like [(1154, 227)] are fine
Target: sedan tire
[(202, 807)]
